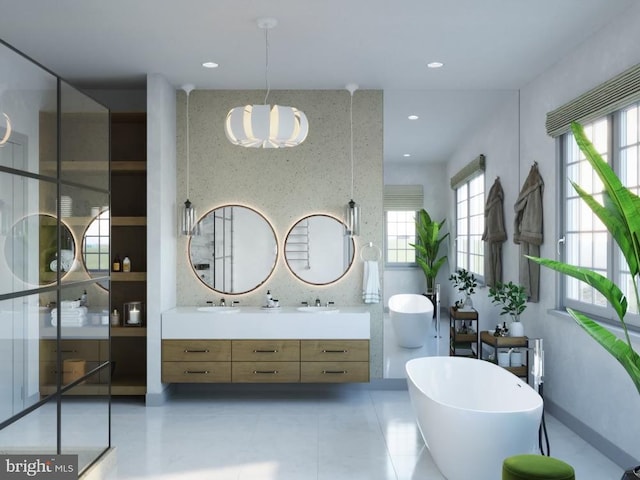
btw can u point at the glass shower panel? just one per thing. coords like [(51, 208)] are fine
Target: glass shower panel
[(29, 233), (84, 143), (28, 94), (85, 427), (36, 432)]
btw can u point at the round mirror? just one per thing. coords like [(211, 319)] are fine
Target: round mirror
[(318, 251), (95, 246), (35, 237), (236, 250)]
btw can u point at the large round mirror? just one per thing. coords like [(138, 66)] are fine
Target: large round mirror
[(236, 250), (318, 251), (31, 249)]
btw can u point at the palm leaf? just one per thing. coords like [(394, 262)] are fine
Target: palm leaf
[(605, 286), (621, 351)]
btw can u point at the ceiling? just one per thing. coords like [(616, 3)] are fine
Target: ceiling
[(489, 49)]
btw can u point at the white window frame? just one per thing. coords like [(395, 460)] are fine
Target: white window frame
[(469, 201), (585, 237), (409, 237)]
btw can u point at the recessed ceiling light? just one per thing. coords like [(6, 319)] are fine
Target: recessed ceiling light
[(210, 65), (435, 64), (413, 117), (406, 155)]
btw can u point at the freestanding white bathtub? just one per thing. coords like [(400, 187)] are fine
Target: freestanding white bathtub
[(410, 316), (472, 414)]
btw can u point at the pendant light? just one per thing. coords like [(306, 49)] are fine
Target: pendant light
[(266, 126), (189, 215), (352, 214)]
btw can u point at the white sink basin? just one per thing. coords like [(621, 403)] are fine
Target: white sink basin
[(219, 309), (318, 309)]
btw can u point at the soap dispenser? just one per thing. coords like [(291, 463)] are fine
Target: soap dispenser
[(268, 299)]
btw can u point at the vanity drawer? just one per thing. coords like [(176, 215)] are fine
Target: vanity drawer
[(265, 372), (265, 350), (196, 372), (49, 370), (334, 372), (196, 350), (84, 349), (334, 350)]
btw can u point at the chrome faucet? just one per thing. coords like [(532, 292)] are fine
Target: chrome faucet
[(537, 365), (318, 302), (222, 302)]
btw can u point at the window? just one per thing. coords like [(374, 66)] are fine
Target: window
[(401, 202), (95, 248), (470, 225), (400, 233), (587, 243)]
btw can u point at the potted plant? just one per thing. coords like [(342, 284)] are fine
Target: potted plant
[(619, 211), (513, 299), (466, 283), (428, 241)]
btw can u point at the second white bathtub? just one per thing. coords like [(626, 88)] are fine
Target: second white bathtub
[(472, 414)]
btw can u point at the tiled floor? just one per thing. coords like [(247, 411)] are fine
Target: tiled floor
[(295, 434)]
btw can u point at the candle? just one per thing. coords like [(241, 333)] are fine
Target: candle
[(134, 316)]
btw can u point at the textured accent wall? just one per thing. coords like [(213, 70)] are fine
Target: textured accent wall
[(286, 185)]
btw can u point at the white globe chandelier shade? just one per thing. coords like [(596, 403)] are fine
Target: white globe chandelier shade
[(266, 126)]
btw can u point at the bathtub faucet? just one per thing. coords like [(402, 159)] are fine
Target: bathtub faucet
[(537, 365)]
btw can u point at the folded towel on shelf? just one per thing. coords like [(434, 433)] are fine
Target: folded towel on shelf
[(69, 304), (70, 312), (370, 282), (69, 322)]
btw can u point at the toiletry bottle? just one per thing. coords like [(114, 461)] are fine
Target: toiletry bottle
[(505, 329), (116, 263), (268, 299), (83, 299), (126, 264), (115, 318)]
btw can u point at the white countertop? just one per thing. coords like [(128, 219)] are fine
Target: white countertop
[(258, 323)]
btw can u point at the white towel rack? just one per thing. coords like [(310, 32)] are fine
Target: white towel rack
[(369, 249)]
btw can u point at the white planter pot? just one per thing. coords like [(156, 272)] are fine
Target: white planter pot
[(516, 329)]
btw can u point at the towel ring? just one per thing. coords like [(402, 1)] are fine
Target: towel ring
[(375, 249)]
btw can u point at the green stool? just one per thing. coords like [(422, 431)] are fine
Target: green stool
[(536, 467)]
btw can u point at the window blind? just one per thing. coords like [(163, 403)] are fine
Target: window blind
[(602, 100), (470, 170), (403, 197)]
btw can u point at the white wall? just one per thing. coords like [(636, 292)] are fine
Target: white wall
[(161, 221), (583, 384)]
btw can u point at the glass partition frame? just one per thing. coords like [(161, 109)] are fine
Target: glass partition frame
[(58, 150)]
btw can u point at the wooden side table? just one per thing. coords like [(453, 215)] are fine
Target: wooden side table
[(461, 344), (506, 343)]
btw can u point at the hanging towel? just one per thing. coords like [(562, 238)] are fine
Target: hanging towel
[(371, 282)]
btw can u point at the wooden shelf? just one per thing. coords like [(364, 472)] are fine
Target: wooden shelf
[(128, 385), (128, 331), (128, 166), (128, 276), (503, 342), (128, 221), (88, 166)]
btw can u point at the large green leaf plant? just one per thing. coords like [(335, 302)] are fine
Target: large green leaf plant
[(620, 213), (427, 246)]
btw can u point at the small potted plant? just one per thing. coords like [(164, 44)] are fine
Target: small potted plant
[(513, 299), (466, 283)]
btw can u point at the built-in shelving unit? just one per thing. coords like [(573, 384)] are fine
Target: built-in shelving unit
[(129, 238)]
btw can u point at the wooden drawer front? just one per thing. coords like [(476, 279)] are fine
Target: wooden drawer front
[(85, 349), (48, 373), (196, 372), (334, 372), (196, 350), (334, 350), (265, 350), (265, 372)]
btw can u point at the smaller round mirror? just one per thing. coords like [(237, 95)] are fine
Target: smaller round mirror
[(31, 249), (95, 246), (236, 250), (318, 251)]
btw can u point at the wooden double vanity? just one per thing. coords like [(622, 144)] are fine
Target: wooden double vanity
[(253, 345)]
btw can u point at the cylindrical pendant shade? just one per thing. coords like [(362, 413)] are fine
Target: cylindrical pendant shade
[(189, 220), (352, 218), (266, 126)]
